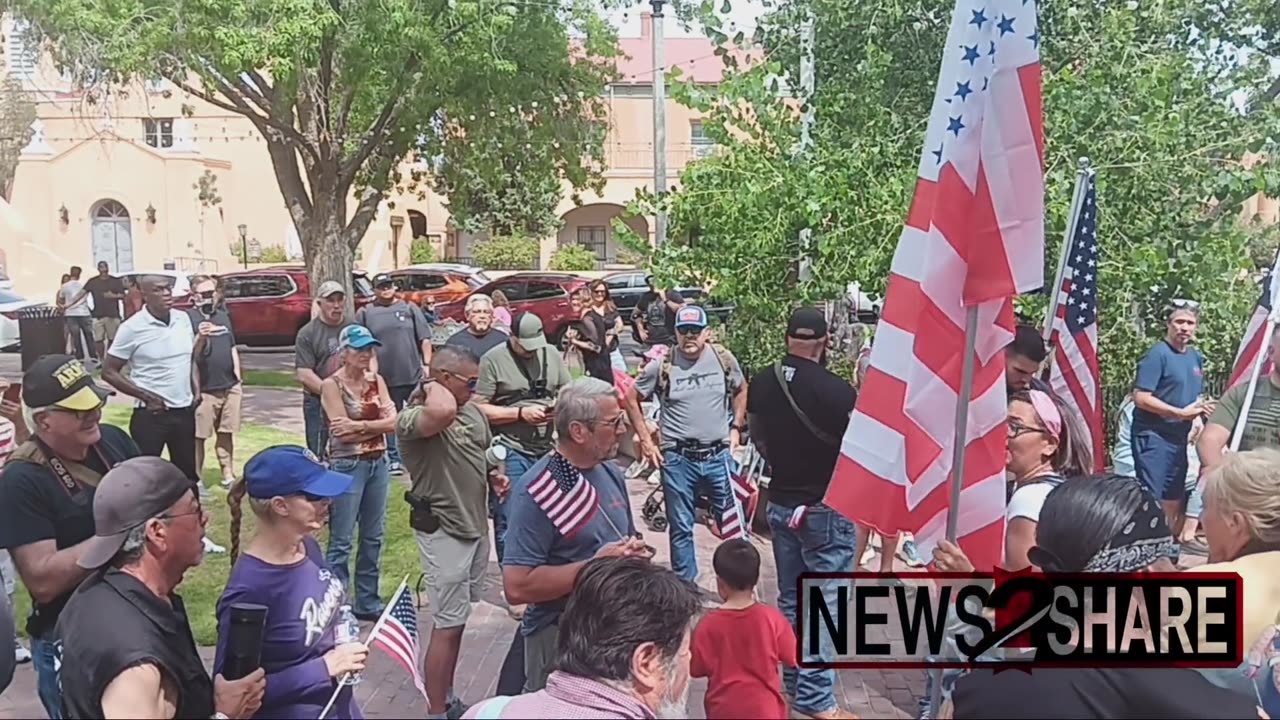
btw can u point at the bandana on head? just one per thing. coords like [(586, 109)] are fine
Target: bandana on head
[(1142, 541)]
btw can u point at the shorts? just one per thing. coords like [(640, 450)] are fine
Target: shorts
[(1161, 464), (455, 571), (218, 411), (104, 329)]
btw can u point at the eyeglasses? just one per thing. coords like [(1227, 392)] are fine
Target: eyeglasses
[(471, 382), (1017, 429), (172, 516), (618, 422), (80, 414)]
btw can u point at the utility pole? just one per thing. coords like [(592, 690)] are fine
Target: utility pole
[(659, 123), (806, 127)]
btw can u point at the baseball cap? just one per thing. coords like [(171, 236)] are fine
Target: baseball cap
[(130, 494), (527, 329), (61, 381), (357, 337), (691, 316), (807, 323), (283, 470), (383, 279), (329, 287)]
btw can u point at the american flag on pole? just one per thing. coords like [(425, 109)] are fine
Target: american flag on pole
[(564, 495), (974, 236), (396, 633), (1251, 343), (731, 523), (1073, 375)]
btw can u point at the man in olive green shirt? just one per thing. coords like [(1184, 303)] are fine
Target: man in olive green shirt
[(517, 387), (1261, 427), (443, 440)]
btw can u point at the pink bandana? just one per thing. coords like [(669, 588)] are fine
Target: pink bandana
[(1047, 411)]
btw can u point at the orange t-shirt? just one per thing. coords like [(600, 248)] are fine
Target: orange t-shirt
[(739, 651)]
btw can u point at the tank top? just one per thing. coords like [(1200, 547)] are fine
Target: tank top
[(368, 406)]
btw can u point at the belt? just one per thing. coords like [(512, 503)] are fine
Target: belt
[(695, 450)]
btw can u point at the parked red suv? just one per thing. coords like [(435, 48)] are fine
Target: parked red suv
[(270, 305), (545, 294)]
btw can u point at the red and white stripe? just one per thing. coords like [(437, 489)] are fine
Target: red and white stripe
[(568, 511), (1250, 346), (1074, 375), (974, 236)]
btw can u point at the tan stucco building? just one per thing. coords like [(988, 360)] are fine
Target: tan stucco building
[(119, 177)]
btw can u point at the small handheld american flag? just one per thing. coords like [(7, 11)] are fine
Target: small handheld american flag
[(396, 633), (564, 495)]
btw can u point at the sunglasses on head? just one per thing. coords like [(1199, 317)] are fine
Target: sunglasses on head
[(1183, 304)]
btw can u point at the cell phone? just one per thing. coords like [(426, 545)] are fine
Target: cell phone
[(13, 393)]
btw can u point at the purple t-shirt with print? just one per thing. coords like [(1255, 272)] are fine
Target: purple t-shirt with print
[(302, 601)]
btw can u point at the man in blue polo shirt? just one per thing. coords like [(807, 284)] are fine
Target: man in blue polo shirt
[(1167, 401)]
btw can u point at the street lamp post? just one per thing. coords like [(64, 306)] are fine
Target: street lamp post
[(244, 245), (659, 124)]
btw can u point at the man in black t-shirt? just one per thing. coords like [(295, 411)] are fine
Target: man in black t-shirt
[(46, 497), (797, 412), (654, 317), (107, 292)]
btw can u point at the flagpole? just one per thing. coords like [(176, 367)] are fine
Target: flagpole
[(1073, 222), (372, 633)]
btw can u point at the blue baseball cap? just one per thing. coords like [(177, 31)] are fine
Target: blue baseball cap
[(691, 316), (357, 337), (284, 470)]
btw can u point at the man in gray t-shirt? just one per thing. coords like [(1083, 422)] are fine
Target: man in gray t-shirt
[(315, 355), (405, 350), (698, 387)]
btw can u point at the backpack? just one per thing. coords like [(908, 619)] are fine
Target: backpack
[(663, 389)]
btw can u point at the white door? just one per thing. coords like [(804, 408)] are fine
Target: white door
[(113, 237)]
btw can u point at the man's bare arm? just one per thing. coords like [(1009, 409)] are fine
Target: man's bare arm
[(309, 379), (140, 692), (497, 414), (541, 584), (1212, 444), (438, 411), (47, 571)]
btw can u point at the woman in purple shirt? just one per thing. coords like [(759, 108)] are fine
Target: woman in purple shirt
[(283, 569)]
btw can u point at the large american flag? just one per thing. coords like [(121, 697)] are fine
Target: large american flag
[(397, 635), (1073, 375), (564, 495), (974, 236), (1251, 343)]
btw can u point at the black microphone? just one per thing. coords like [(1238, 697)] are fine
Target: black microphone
[(244, 643)]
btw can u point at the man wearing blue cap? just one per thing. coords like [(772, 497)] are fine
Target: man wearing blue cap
[(697, 388)]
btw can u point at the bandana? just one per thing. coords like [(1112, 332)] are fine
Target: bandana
[(1047, 411), (1142, 541)]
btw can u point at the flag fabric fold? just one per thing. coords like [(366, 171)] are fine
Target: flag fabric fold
[(1073, 374), (1251, 343), (974, 237)]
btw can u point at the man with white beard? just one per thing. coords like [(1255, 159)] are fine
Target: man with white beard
[(623, 648)]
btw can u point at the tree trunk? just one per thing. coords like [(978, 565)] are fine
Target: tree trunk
[(327, 254)]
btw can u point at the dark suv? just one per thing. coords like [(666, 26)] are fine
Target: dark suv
[(627, 287), (270, 305)]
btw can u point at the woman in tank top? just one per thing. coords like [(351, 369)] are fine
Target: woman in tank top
[(360, 414)]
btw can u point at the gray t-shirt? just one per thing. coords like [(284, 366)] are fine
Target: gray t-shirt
[(697, 407), (401, 328), (317, 347)]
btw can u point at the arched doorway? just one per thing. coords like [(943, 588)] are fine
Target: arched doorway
[(592, 227), (112, 236)]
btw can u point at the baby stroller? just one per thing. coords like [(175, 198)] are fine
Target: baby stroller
[(744, 480)]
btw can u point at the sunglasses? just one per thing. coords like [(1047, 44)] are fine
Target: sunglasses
[(312, 498), (471, 382), (688, 330), (198, 511)]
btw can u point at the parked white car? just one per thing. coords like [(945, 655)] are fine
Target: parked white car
[(10, 303)]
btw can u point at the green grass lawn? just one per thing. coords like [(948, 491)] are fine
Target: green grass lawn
[(270, 378), (203, 584)]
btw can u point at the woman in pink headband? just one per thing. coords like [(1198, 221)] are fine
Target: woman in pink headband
[(1047, 444)]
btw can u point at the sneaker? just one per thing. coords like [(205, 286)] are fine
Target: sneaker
[(213, 547), (369, 616), (227, 482), (455, 709), (21, 655), (397, 468), (204, 491), (867, 556)]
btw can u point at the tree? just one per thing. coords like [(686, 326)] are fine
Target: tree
[(342, 92), (1152, 106), (17, 112)]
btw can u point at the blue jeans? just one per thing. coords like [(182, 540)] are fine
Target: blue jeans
[(46, 657), (823, 543), (400, 397), (517, 465), (317, 427), (681, 478), (365, 501)]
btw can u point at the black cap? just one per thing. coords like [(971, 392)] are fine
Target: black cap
[(61, 380), (807, 323), (383, 279)]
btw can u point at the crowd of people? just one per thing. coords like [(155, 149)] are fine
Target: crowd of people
[(500, 446)]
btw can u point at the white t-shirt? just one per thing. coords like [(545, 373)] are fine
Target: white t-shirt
[(67, 293), (1028, 499), (159, 355)]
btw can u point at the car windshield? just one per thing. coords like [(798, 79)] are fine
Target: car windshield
[(362, 285)]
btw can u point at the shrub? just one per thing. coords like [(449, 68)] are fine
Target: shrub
[(506, 253), (573, 258), (422, 251)]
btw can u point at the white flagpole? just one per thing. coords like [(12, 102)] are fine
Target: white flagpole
[(404, 584), (1238, 433), (1073, 222)]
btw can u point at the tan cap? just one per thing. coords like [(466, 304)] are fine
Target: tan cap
[(329, 287)]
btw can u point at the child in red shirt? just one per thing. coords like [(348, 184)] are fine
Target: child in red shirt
[(739, 645)]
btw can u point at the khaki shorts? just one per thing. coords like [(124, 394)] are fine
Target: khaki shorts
[(104, 330), (455, 572), (218, 411)]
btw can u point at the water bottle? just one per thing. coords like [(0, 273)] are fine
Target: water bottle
[(347, 631)]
